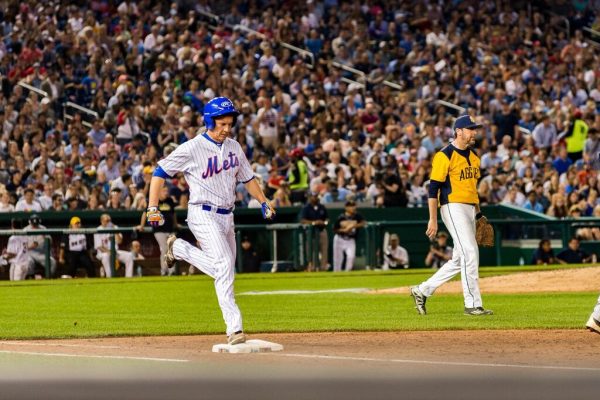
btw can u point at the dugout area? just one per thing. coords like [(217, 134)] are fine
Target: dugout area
[(285, 246)]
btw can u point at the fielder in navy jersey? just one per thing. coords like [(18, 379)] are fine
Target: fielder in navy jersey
[(213, 164)]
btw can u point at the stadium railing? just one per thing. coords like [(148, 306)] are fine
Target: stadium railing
[(87, 111)]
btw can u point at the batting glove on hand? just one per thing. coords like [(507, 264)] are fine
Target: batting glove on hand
[(268, 212), (154, 217)]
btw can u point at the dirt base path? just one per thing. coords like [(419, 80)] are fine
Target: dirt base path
[(553, 364), (564, 280)]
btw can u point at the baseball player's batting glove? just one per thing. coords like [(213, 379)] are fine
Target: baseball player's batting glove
[(154, 217), (268, 212), (484, 232)]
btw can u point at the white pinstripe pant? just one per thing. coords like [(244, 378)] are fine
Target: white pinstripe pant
[(459, 219), (596, 313), (215, 232)]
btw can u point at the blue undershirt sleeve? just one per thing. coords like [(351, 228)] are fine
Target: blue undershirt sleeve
[(160, 173)]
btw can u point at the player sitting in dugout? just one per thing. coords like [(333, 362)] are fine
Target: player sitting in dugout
[(573, 254), (394, 255)]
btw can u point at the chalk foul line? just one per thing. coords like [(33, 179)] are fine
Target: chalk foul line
[(33, 353), (425, 362), (275, 292)]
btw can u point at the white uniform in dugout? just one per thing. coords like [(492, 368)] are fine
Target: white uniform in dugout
[(212, 171), (19, 264), (101, 243)]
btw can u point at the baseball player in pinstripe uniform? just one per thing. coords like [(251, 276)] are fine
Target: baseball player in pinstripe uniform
[(212, 164), (454, 176)]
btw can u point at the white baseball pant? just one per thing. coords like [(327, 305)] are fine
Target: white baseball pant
[(460, 221), (216, 235), (343, 246), (126, 257), (596, 313), (18, 272), (39, 258)]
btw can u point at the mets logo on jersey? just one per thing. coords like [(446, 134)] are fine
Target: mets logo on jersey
[(213, 165)]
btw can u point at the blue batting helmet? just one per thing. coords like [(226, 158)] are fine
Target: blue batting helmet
[(218, 107)]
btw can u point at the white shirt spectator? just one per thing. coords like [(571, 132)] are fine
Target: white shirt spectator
[(24, 205), (436, 39), (489, 160), (331, 168), (267, 128), (45, 201), (111, 173), (268, 62)]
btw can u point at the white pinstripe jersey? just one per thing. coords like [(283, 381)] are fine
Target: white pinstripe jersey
[(211, 170)]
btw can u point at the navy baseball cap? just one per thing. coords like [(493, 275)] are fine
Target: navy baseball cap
[(466, 122)]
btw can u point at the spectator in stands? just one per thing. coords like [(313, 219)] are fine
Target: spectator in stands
[(544, 134), (281, 197), (490, 159), (573, 254), (335, 194), (506, 123), (28, 203), (394, 191), (544, 254), (298, 177), (575, 136), (267, 120), (5, 204), (532, 203), (591, 150), (558, 207), (394, 255), (562, 162), (77, 247)]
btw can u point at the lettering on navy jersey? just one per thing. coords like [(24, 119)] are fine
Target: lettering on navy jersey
[(469, 173)]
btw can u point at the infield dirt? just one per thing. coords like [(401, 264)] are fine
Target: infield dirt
[(564, 280)]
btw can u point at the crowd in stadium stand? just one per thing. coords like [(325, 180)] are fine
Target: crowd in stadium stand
[(148, 67)]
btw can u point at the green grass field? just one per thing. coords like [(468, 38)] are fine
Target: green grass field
[(187, 305)]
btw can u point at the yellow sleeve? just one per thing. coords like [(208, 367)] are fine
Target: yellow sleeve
[(439, 167)]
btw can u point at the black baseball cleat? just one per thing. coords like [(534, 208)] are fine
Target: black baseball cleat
[(419, 299), (169, 256), (593, 325), (478, 311)]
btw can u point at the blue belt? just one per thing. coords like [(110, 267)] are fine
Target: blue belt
[(223, 211)]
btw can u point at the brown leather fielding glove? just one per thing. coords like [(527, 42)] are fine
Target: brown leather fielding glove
[(484, 232)]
